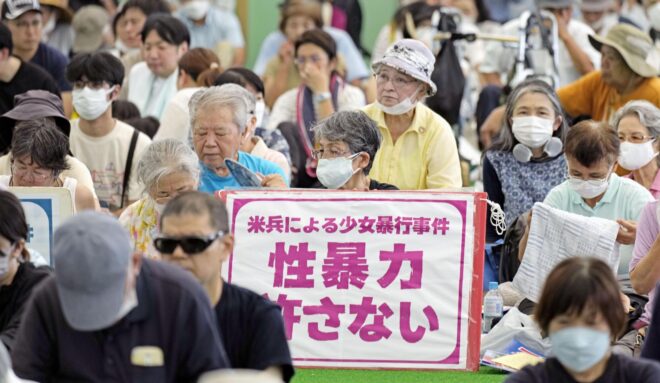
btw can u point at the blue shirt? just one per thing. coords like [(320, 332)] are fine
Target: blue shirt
[(355, 66), (210, 182), (218, 26), (54, 62)]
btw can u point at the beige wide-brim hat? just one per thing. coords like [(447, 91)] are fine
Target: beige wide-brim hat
[(635, 46)]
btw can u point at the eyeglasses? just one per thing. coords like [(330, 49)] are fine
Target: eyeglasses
[(189, 245), (635, 138), (397, 80), (301, 60), (23, 171), (329, 153), (80, 84), (24, 24)]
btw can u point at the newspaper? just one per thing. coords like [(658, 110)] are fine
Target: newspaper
[(556, 235)]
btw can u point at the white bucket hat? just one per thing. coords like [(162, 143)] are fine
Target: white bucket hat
[(410, 57)]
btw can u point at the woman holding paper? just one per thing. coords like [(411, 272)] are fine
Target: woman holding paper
[(581, 312), (527, 159), (593, 189), (38, 159), (638, 126)]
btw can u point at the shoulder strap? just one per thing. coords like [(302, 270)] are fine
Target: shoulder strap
[(129, 165)]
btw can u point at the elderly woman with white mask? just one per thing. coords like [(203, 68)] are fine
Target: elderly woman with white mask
[(167, 168), (418, 149), (638, 126)]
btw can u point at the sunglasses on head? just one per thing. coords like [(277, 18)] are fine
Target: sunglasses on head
[(189, 245)]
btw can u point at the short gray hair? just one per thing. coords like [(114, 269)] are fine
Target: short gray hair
[(165, 157), (232, 96), (647, 113), (355, 128)]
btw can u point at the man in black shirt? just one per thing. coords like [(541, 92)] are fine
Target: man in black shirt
[(109, 316), (16, 76), (195, 236), (23, 17)]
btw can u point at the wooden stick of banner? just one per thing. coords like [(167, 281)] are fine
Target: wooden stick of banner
[(480, 36)]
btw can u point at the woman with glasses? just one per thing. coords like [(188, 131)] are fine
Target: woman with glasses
[(38, 158), (638, 126), (418, 150), (18, 276), (594, 190), (527, 159), (321, 93), (167, 168), (346, 144)]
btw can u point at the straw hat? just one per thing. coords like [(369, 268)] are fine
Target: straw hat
[(635, 46)]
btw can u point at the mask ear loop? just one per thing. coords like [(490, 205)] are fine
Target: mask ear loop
[(497, 217)]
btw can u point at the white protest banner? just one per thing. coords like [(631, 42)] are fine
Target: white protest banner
[(366, 280), (45, 208)]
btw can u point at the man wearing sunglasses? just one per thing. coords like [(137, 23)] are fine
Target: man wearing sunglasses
[(109, 315), (195, 236)]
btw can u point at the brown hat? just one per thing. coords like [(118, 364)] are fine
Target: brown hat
[(88, 23), (62, 5), (309, 8), (636, 47), (28, 106)]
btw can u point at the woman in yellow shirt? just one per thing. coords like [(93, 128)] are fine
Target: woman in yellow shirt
[(418, 149)]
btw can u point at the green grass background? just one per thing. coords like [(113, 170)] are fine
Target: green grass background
[(485, 375)]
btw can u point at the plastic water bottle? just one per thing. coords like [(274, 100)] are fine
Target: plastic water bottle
[(493, 306)]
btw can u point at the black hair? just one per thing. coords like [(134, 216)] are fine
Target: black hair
[(43, 142), (5, 38), (124, 110), (147, 7), (168, 27), (148, 125), (242, 77), (14, 227), (321, 39), (198, 203), (96, 66)]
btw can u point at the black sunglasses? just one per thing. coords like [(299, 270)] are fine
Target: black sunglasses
[(189, 245)]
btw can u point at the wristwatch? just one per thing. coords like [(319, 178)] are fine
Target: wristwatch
[(320, 97)]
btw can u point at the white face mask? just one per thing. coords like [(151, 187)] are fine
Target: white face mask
[(654, 16), (334, 173), (588, 188), (259, 110), (196, 9), (90, 104), (130, 302), (402, 107), (532, 131), (635, 156)]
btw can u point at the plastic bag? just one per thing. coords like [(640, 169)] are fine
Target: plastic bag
[(517, 326)]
